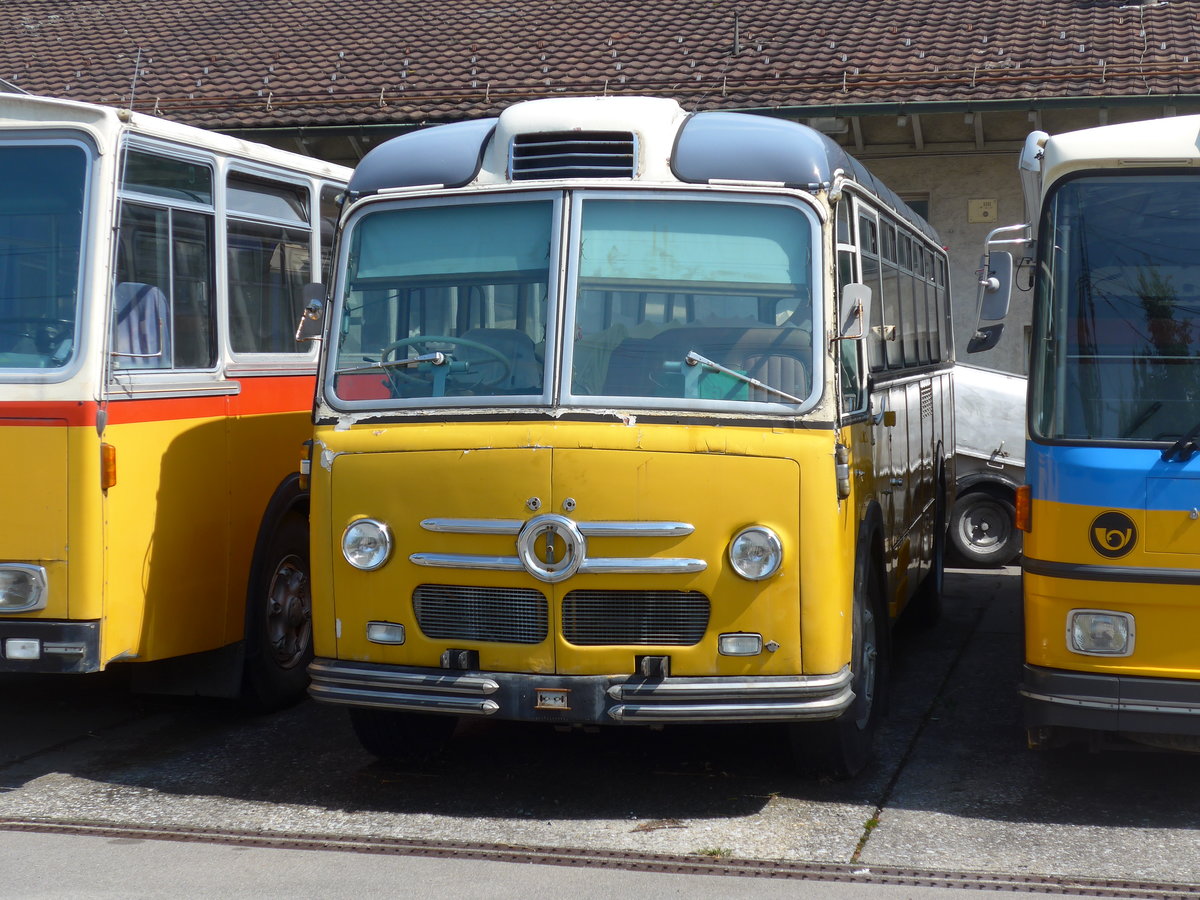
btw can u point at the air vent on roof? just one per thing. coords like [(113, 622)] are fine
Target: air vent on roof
[(573, 154)]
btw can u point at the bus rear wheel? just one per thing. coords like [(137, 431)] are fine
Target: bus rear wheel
[(279, 630), (842, 747), (401, 737)]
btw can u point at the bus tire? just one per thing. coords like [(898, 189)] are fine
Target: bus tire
[(983, 529), (279, 627), (401, 737), (841, 748)]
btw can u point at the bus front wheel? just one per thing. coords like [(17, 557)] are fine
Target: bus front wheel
[(400, 737), (842, 747), (983, 529), (279, 630)]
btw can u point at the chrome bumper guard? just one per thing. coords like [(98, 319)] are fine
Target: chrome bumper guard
[(582, 699)]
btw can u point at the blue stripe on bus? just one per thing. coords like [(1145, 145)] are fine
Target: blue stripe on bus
[(1112, 477)]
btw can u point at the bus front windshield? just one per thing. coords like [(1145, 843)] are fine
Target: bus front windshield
[(42, 191), (1117, 347), (671, 301)]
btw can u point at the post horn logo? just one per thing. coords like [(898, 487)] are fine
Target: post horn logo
[(1113, 534)]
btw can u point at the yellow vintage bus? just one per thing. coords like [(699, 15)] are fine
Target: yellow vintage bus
[(1111, 508), (153, 399), (609, 430)]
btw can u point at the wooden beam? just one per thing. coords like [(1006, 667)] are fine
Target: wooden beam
[(918, 136), (856, 127), (978, 131)]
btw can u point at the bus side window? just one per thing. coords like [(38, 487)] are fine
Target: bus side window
[(269, 263)]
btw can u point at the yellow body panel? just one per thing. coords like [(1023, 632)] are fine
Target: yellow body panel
[(1167, 616), (716, 478)]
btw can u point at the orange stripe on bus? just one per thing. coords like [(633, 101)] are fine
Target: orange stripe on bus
[(258, 396)]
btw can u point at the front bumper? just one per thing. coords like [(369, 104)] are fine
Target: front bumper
[(582, 699), (61, 647), (1110, 702)]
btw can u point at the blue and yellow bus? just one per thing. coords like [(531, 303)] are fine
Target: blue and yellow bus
[(631, 416), (1112, 501)]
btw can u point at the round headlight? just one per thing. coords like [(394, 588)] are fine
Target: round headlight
[(756, 553), (367, 544)]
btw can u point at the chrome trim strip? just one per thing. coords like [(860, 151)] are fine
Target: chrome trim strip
[(473, 526), (465, 561), (826, 708), (616, 565), (1122, 574), (589, 529), (1112, 705), (637, 566), (636, 529)]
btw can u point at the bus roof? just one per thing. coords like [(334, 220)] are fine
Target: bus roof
[(32, 111), (1157, 143), (638, 138)]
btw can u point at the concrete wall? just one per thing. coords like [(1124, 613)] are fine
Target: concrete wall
[(951, 182)]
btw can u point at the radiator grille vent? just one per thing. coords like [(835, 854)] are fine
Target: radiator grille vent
[(573, 154), (503, 615), (675, 618)]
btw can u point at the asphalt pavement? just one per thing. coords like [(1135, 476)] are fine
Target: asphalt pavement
[(954, 789)]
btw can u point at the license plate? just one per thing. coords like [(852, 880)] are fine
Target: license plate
[(553, 698)]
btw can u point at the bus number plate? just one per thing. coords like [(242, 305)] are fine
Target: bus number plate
[(553, 698)]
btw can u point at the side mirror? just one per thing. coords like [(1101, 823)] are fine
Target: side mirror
[(312, 320), (985, 338), (854, 312), (995, 285)]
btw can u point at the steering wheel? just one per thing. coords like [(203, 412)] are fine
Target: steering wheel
[(398, 375)]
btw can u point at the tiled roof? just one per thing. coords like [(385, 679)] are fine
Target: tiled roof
[(257, 63)]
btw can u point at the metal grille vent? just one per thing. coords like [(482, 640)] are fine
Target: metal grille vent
[(574, 154), (502, 615), (676, 618)]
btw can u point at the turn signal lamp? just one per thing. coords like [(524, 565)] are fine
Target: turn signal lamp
[(739, 644), (108, 466), (385, 633), (1099, 632), (1024, 508)]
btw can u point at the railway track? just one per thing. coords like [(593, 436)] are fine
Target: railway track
[(618, 860)]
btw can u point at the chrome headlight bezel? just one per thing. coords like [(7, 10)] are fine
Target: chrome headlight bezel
[(35, 590), (368, 541), (750, 547), (1124, 627)]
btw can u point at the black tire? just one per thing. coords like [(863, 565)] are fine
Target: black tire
[(401, 737), (925, 608), (842, 747), (983, 529), (279, 621)]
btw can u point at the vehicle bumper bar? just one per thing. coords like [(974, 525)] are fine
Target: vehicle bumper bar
[(582, 699), (1119, 703), (41, 645)]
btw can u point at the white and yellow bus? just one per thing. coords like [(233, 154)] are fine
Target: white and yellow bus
[(608, 429), (153, 399)]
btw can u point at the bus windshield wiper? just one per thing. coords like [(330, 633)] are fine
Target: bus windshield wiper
[(437, 358), (693, 358), (1185, 446)]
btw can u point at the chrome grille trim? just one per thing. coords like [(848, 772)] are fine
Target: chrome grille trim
[(473, 526), (602, 565), (497, 615), (622, 618)]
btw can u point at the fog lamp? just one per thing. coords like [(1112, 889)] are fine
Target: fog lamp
[(22, 588), (1099, 632), (756, 553), (22, 648), (385, 633), (739, 644), (366, 544)]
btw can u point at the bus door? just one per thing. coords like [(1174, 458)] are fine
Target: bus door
[(166, 419)]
